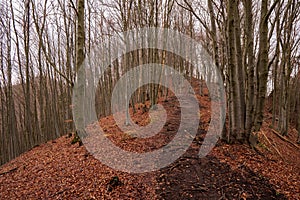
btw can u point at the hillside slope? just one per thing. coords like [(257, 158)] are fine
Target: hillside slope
[(59, 170)]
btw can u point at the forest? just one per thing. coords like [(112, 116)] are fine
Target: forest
[(220, 78)]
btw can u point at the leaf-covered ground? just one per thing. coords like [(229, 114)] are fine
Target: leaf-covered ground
[(60, 170)]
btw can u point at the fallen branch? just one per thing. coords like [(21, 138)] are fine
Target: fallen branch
[(8, 171), (284, 139), (272, 145), (174, 166), (199, 188)]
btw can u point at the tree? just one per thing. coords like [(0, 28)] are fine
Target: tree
[(80, 71)]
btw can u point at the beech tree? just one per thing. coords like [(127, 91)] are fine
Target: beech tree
[(80, 71)]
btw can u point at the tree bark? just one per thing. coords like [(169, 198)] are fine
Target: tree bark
[(80, 71), (262, 66)]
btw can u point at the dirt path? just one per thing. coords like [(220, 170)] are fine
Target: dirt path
[(208, 178)]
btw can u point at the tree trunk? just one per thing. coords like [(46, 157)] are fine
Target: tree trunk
[(249, 65), (262, 66), (298, 109), (80, 56), (233, 76)]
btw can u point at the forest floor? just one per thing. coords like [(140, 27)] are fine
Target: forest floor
[(60, 170)]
